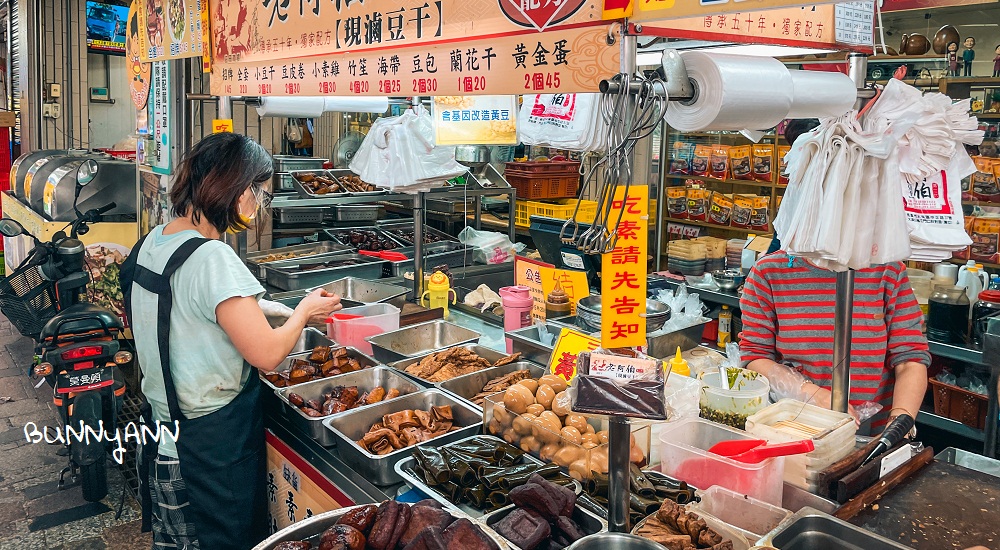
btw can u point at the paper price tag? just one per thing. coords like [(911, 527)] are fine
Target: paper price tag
[(894, 460), (622, 368), (568, 346)]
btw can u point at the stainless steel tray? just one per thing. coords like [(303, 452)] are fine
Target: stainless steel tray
[(418, 340), (336, 235), (365, 380), (468, 386), (311, 528), (356, 292), (341, 172), (351, 426), (489, 354), (391, 226), (452, 254), (301, 214), (256, 265), (525, 340), (291, 163), (309, 339), (406, 471), (286, 274), (588, 522), (809, 529), (365, 361), (304, 191), (282, 181), (356, 212)]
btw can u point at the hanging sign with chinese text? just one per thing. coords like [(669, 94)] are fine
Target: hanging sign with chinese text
[(170, 29), (563, 60), (661, 10), (568, 346), (138, 71), (541, 279), (623, 272), (157, 154), (256, 30), (295, 489), (808, 26), (475, 120)]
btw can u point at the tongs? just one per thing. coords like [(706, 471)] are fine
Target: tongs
[(385, 255)]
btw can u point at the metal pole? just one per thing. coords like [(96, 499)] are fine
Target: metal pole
[(618, 430), (418, 245), (662, 196), (843, 309)]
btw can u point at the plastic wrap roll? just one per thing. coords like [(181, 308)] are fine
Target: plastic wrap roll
[(313, 107), (733, 93), (820, 94)]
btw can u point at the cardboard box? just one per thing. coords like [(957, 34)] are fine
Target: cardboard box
[(8, 119)]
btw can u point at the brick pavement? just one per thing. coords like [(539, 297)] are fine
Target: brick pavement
[(34, 514)]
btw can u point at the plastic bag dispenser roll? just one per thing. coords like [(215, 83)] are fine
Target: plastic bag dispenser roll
[(314, 107), (732, 93), (818, 94)]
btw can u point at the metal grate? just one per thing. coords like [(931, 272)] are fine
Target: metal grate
[(130, 413)]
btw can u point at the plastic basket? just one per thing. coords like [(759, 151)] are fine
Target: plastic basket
[(559, 209), (27, 300), (544, 166), (543, 185), (959, 404)]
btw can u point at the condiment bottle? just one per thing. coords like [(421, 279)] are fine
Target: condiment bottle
[(437, 293), (557, 303), (517, 303), (987, 307), (725, 324), (973, 284), (679, 365), (947, 320)]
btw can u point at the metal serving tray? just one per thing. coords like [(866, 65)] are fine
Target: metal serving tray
[(390, 226), (351, 426), (291, 163), (365, 380), (450, 253), (356, 292), (405, 469), (525, 340), (333, 235), (589, 523), (810, 529), (467, 386), (341, 172), (418, 340), (256, 265), (309, 339), (301, 214), (365, 361), (287, 275), (311, 528), (303, 191)]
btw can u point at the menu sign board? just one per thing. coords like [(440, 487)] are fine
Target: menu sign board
[(172, 29), (656, 10), (564, 60)]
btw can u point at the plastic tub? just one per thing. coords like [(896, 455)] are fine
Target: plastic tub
[(752, 517), (732, 407), (374, 319), (684, 455)]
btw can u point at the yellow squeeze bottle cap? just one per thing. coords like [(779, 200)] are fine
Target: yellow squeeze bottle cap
[(679, 365)]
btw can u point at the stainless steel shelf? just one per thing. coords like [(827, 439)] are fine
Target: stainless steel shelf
[(958, 353), (294, 200), (715, 296), (950, 426)]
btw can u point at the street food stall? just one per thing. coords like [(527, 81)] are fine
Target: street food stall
[(482, 398)]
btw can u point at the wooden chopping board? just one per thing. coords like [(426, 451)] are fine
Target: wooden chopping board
[(943, 506)]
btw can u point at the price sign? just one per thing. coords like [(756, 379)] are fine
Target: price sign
[(222, 125), (569, 344), (622, 368)]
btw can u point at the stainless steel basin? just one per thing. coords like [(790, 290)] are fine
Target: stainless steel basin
[(417, 340), (810, 529)]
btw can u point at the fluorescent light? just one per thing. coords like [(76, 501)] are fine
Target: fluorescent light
[(981, 25)]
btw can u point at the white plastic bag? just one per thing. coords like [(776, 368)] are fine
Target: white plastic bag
[(563, 121), (489, 247)]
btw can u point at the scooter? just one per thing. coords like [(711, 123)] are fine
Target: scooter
[(79, 347)]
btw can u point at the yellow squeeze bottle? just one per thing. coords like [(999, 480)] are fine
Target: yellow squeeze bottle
[(679, 365), (437, 293)]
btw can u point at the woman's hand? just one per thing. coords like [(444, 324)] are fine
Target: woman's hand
[(318, 305), (822, 397)]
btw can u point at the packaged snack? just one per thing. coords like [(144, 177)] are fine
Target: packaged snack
[(763, 155), (677, 202), (719, 162), (985, 236), (721, 209), (699, 163), (742, 210), (739, 162), (760, 217), (782, 164), (697, 203), (680, 162), (984, 180)]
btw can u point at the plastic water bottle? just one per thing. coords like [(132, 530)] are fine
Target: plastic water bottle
[(973, 284)]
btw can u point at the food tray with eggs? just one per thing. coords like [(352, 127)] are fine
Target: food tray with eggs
[(351, 426), (536, 415), (393, 385), (407, 470)]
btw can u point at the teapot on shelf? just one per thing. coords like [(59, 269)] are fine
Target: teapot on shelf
[(914, 44)]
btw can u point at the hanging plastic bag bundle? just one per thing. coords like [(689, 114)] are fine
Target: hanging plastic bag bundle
[(563, 121), (489, 247)]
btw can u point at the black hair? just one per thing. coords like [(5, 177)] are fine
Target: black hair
[(214, 175), (798, 126)]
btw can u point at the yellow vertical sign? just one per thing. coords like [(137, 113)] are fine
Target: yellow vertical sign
[(206, 39), (623, 271)]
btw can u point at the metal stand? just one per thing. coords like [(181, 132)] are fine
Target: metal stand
[(843, 309), (418, 245)]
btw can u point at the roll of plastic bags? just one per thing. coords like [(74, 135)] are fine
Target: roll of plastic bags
[(821, 94)]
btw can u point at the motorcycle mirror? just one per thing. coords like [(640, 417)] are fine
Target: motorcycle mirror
[(10, 228), (87, 172)]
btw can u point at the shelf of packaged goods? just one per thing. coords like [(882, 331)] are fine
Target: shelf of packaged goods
[(716, 226), (951, 426), (957, 353), (987, 116), (960, 261), (717, 180), (725, 134)]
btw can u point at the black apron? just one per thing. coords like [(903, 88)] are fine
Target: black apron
[(222, 455)]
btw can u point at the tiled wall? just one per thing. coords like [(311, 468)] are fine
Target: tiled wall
[(64, 61)]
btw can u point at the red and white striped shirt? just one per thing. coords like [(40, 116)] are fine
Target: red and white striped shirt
[(788, 317)]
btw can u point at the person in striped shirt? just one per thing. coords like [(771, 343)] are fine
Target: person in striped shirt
[(787, 336)]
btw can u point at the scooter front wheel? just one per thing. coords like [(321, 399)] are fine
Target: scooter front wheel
[(94, 481)]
